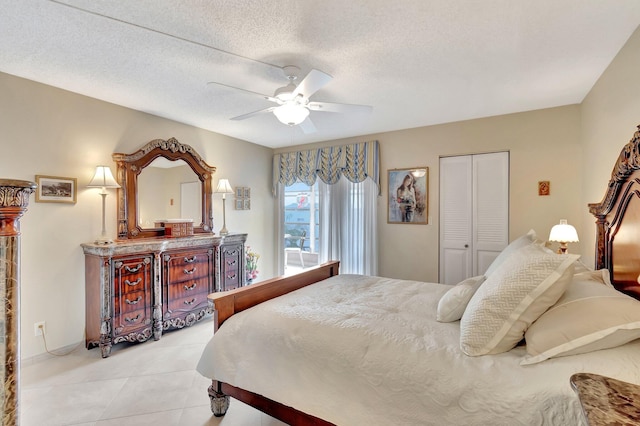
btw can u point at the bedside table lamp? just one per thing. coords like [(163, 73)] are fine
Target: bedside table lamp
[(224, 188), (563, 233), (103, 179)]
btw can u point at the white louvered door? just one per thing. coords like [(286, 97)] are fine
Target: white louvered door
[(474, 213)]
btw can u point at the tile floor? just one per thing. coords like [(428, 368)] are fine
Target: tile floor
[(153, 383)]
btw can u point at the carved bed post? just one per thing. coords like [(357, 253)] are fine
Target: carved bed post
[(14, 198)]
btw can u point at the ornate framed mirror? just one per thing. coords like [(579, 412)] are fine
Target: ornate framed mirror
[(163, 180)]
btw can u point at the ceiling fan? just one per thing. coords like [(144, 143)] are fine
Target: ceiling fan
[(293, 100)]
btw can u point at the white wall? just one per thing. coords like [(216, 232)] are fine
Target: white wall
[(53, 132)]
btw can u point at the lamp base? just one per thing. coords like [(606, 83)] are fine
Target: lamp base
[(224, 231), (563, 248), (103, 240)]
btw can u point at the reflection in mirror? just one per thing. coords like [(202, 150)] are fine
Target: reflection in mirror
[(168, 189)]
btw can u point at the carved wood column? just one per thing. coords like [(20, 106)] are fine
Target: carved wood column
[(14, 199)]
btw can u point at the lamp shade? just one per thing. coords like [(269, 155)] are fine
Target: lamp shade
[(103, 178), (563, 232), (291, 113), (224, 187)]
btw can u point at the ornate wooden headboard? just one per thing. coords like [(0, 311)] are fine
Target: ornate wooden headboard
[(618, 221)]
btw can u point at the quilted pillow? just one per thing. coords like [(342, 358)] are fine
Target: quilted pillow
[(452, 305), (518, 243), (528, 282), (589, 316)]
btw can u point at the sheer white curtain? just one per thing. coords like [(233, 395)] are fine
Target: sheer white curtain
[(348, 220)]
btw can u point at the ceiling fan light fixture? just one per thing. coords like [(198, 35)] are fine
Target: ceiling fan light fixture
[(291, 114)]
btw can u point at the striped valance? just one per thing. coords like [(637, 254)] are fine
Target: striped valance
[(356, 162)]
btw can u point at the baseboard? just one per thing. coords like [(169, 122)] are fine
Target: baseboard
[(45, 355)]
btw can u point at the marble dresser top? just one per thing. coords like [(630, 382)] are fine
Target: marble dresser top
[(607, 401)]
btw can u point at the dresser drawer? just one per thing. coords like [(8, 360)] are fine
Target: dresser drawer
[(132, 274), (231, 266), (186, 303), (129, 302), (128, 322), (187, 266)]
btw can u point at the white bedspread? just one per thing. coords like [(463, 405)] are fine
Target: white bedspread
[(357, 350)]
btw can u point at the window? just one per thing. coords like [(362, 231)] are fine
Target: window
[(301, 224)]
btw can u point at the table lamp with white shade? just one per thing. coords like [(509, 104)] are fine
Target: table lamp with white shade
[(224, 188), (103, 178), (563, 233)]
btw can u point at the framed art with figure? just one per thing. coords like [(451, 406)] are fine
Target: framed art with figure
[(408, 196)]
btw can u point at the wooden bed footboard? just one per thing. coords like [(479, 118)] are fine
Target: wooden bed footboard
[(227, 303)]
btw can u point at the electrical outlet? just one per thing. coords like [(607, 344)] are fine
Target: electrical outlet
[(39, 329)]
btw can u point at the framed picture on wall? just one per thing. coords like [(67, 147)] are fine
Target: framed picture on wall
[(239, 204), (54, 189), (247, 204), (408, 196), (239, 191), (247, 192)]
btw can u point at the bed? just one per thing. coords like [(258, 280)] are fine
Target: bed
[(321, 348)]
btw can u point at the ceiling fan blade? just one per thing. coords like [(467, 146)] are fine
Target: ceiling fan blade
[(254, 113), (313, 82), (342, 108), (267, 97), (307, 126)]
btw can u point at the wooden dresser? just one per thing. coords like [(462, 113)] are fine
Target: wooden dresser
[(138, 288)]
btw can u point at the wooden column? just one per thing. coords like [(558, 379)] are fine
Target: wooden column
[(14, 199)]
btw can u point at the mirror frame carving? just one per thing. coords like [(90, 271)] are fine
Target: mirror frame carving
[(129, 167)]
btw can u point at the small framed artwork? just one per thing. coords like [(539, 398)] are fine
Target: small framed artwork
[(239, 191), (247, 204), (544, 187), (239, 204), (408, 196), (247, 192), (55, 189)]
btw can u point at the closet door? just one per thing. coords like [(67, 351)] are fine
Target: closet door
[(456, 222), (490, 208), (474, 213)]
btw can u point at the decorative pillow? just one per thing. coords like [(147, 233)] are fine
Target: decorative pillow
[(601, 276), (518, 243), (452, 305), (588, 317), (514, 296)]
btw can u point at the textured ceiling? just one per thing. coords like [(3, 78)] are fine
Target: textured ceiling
[(416, 62)]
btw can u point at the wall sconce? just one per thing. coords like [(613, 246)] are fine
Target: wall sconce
[(105, 180), (224, 188), (563, 233)]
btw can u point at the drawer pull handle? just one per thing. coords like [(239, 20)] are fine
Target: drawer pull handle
[(190, 302), (232, 276), (136, 282), (231, 262), (187, 260), (186, 271), (134, 269), (186, 287), (133, 302), (130, 320)]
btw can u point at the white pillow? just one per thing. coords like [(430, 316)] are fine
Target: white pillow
[(452, 305), (516, 244), (601, 276), (588, 317), (516, 294)]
